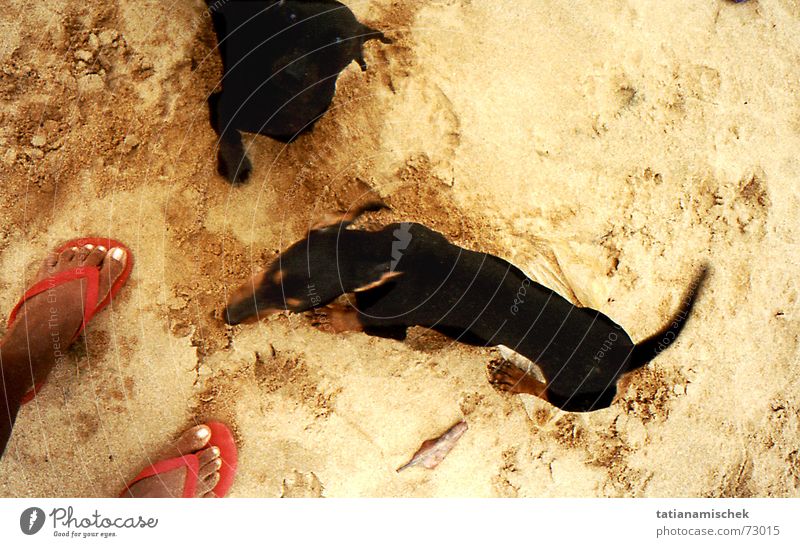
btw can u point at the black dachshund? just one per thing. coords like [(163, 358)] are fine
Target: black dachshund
[(408, 275)]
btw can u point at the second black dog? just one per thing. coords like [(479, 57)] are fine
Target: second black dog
[(281, 60)]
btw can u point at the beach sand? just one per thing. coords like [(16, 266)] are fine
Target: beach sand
[(610, 148)]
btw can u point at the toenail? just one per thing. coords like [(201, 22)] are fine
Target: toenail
[(117, 253), (217, 464), (215, 451), (73, 249), (88, 246), (203, 432), (101, 248)]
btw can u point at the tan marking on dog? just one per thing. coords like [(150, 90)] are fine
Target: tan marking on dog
[(385, 277)]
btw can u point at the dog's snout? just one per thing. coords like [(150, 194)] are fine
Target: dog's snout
[(243, 304), (251, 301), (233, 314)]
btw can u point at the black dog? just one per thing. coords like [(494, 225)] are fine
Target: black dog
[(409, 275), (281, 60)]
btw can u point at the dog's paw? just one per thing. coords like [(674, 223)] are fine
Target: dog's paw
[(236, 172), (504, 376), (320, 318), (335, 318)]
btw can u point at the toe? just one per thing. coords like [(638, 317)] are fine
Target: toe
[(82, 253), (209, 495), (210, 468), (48, 266), (112, 267), (115, 258), (95, 256), (67, 255), (51, 260), (193, 439), (207, 456), (207, 485)]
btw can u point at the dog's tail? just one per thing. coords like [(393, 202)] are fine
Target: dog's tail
[(646, 350)]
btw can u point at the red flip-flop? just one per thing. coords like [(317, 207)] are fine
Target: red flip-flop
[(222, 438), (92, 275)]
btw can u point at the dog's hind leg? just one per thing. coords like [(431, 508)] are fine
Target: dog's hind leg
[(504, 376)]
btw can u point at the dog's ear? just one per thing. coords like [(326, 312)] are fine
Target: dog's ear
[(340, 221), (385, 277)]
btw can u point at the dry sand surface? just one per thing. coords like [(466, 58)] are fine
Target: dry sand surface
[(612, 147)]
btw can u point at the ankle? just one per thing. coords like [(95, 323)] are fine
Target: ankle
[(15, 377)]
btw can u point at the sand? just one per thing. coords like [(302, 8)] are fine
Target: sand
[(609, 147)]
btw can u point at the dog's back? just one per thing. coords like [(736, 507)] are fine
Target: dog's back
[(481, 299)]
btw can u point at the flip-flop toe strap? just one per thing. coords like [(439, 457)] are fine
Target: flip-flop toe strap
[(189, 461), (92, 277)]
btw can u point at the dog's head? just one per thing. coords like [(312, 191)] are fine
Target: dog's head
[(289, 283), (313, 272)]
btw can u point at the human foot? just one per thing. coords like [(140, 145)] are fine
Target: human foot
[(170, 484), (203, 466), (46, 324)]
